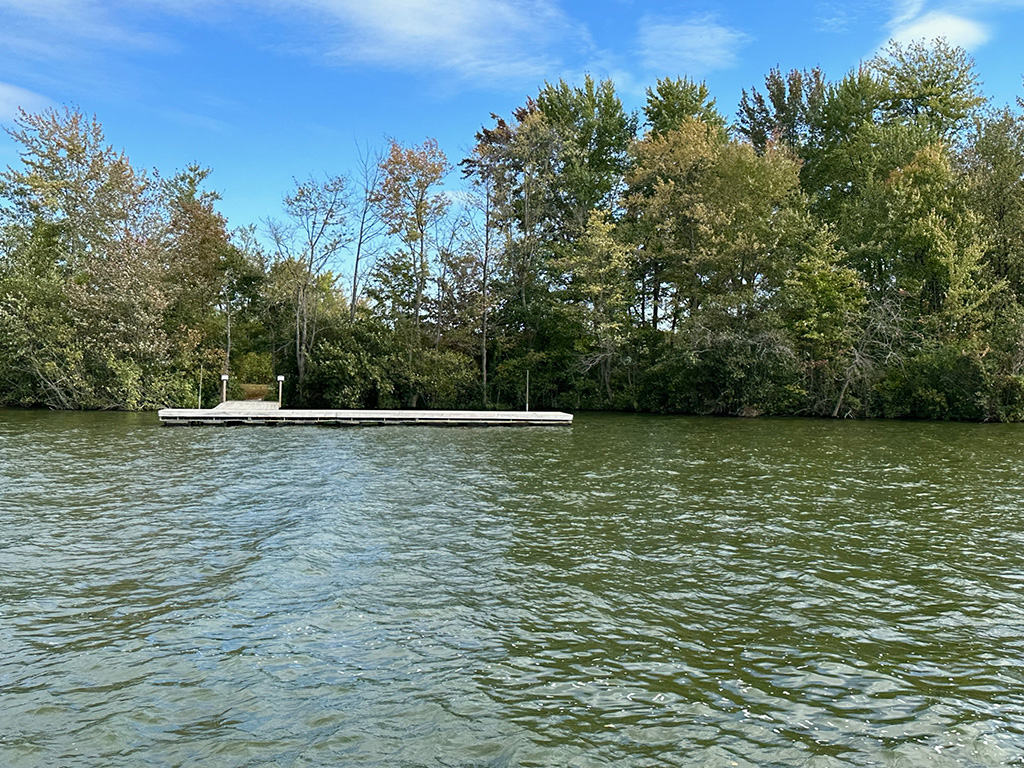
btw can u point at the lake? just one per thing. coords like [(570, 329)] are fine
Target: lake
[(633, 590)]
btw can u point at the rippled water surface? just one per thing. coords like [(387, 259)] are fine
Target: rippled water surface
[(631, 591)]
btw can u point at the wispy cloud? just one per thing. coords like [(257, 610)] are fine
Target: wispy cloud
[(905, 11), (476, 41), (486, 41), (12, 97), (693, 47), (64, 29), (832, 18)]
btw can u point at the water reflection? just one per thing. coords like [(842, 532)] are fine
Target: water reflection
[(634, 591)]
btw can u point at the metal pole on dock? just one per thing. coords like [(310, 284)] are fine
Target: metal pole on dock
[(527, 389), (280, 391), (223, 387)]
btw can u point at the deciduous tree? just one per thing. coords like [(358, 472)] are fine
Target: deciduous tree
[(306, 244)]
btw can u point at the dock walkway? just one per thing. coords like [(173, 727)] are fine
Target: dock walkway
[(258, 412)]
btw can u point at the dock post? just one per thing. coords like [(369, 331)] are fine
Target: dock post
[(280, 391), (223, 387), (527, 389)]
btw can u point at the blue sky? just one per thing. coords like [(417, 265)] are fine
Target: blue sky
[(263, 91)]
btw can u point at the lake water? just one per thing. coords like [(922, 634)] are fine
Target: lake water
[(635, 591)]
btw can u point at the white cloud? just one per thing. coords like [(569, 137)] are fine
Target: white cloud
[(905, 11), (693, 47), (957, 30), (12, 97), (59, 29), (485, 41), (474, 40)]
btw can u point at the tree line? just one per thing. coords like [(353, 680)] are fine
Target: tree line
[(850, 247)]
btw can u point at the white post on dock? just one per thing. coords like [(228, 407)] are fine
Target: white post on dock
[(527, 389), (280, 391), (223, 387)]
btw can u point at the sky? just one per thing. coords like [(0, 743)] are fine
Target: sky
[(264, 92)]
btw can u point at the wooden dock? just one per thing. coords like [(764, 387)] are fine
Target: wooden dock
[(262, 413)]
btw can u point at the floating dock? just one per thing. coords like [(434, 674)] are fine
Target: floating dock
[(262, 413)]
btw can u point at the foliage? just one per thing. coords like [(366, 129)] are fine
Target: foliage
[(930, 85), (850, 247), (939, 383), (672, 102), (790, 115)]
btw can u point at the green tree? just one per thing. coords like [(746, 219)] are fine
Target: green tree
[(790, 114), (78, 215), (994, 167), (411, 204), (673, 101), (714, 217), (930, 85), (718, 213), (195, 247), (594, 134), (822, 303), (601, 290)]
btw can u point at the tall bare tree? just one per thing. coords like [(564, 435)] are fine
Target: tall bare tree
[(369, 226), (306, 243)]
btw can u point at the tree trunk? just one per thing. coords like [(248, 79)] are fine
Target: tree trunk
[(300, 340), (839, 402), (227, 343), (483, 318)]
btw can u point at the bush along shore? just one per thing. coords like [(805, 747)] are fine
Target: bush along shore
[(848, 247)]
